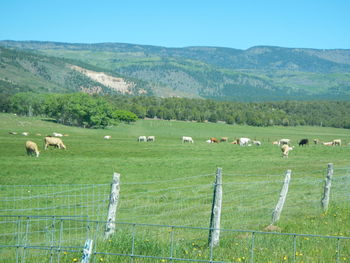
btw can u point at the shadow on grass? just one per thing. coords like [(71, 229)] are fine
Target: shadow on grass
[(49, 120)]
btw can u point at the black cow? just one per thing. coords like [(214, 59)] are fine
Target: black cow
[(304, 142)]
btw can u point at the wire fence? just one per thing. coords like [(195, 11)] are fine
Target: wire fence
[(55, 239), (53, 221), (89, 200)]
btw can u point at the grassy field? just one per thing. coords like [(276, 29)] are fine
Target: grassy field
[(168, 182)]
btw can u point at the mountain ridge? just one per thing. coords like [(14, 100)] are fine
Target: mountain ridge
[(255, 74)]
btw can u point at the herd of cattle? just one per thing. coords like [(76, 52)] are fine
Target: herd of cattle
[(285, 144)]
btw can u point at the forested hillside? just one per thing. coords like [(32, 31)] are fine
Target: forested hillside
[(23, 71), (256, 74)]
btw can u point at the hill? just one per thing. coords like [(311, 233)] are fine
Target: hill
[(27, 71), (260, 73)]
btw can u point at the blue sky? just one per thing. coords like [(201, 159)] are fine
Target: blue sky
[(322, 24)]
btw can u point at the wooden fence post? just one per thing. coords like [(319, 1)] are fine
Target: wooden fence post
[(112, 207), (327, 187), (277, 212), (87, 251), (214, 231)]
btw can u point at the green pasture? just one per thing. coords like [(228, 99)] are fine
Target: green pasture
[(91, 159), (169, 182)]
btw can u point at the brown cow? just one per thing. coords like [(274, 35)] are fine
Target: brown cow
[(212, 139), (224, 139)]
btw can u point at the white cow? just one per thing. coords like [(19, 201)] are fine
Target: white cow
[(244, 141), (25, 133), (107, 137), (257, 143), (151, 138), (337, 142), (142, 139), (187, 139), (55, 134), (284, 141)]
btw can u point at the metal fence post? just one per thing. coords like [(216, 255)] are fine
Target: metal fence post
[(327, 187), (112, 207), (283, 195), (214, 232)]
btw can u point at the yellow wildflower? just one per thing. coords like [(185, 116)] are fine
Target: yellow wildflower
[(285, 258), (75, 260)]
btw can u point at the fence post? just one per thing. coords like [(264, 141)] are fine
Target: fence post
[(214, 231), (87, 251), (277, 212), (327, 187), (112, 207)]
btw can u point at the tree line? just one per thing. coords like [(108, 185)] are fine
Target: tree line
[(75, 109), (284, 113), (100, 111)]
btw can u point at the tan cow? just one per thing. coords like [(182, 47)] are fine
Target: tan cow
[(285, 148), (52, 141), (32, 148), (328, 143)]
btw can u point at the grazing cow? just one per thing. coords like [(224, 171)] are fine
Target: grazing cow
[(13, 133), (316, 141), (142, 139), (25, 133), (304, 142), (151, 138), (214, 140), (208, 141), (224, 139), (187, 139), (257, 143), (328, 143), (275, 143), (243, 141), (285, 148), (53, 141), (55, 134), (284, 141), (107, 137), (236, 141), (32, 148), (337, 142)]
